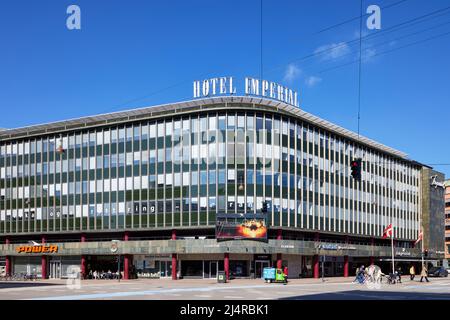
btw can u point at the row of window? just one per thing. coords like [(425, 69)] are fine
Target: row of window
[(296, 147)]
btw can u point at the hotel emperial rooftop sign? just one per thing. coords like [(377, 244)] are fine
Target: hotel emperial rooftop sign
[(252, 87)]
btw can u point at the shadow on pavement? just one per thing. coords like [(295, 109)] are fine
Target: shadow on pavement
[(8, 285), (372, 295)]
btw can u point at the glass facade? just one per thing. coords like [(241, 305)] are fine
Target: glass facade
[(183, 171)]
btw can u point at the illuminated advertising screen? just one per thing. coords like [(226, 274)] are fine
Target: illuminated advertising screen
[(241, 229)]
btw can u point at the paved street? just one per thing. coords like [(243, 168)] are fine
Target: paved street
[(297, 289)]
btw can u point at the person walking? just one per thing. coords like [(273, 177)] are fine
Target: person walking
[(424, 274), (285, 271), (305, 271), (412, 272), (399, 275)]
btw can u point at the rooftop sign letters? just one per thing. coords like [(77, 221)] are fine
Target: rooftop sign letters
[(252, 87)]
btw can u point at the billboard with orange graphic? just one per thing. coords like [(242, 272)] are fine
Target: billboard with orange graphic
[(251, 229)]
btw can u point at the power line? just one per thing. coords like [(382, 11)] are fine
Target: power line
[(389, 51), (382, 32), (380, 44)]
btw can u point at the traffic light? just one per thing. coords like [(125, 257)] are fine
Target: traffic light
[(356, 168)]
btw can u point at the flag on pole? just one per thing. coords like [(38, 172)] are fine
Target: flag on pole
[(388, 231), (419, 238)]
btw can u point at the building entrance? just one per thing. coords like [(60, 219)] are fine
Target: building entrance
[(55, 270), (259, 267), (213, 267)]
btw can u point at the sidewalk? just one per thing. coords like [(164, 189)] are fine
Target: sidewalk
[(167, 282)]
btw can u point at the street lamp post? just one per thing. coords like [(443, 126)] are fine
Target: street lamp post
[(322, 255), (114, 249), (323, 271), (118, 268)]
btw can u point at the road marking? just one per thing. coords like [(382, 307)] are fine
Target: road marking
[(176, 290), (233, 297), (198, 295)]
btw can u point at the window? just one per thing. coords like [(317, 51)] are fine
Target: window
[(212, 123), (99, 138), (113, 135), (222, 123), (161, 129), (231, 175), (203, 177), (144, 129), (136, 158), (121, 135), (129, 134), (212, 177), (231, 122)]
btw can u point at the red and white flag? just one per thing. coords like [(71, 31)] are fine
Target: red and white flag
[(419, 238), (388, 231)]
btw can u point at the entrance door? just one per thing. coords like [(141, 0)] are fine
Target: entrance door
[(55, 269), (259, 267), (213, 267), (166, 269)]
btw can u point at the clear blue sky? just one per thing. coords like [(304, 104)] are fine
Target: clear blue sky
[(128, 53)]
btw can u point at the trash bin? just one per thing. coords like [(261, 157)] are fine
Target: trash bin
[(221, 277)]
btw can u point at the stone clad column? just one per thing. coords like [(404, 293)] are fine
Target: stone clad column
[(7, 261), (316, 266), (126, 267), (44, 261), (226, 264), (316, 259), (44, 267), (126, 260), (346, 266), (346, 259), (279, 257), (174, 258), (83, 259)]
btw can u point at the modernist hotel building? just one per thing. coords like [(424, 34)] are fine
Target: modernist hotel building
[(229, 183)]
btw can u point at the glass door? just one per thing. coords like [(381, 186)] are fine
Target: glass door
[(259, 267), (166, 269), (55, 269), (213, 267)]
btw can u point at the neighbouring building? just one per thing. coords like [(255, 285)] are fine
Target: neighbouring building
[(447, 220)]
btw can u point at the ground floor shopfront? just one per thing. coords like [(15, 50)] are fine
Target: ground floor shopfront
[(181, 258), (206, 266)]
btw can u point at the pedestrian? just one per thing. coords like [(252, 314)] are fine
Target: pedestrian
[(359, 274), (305, 271), (424, 274), (412, 272), (285, 271), (399, 274)]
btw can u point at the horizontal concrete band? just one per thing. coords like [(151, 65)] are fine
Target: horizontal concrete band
[(211, 246)]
